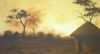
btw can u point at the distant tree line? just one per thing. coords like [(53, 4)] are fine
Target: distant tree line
[(9, 35)]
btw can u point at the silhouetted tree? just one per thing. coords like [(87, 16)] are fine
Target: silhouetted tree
[(34, 20), (20, 16), (16, 34), (23, 17), (50, 36), (8, 35), (40, 34), (89, 7)]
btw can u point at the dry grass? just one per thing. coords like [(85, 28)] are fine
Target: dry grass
[(38, 47)]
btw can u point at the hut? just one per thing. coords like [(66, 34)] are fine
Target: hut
[(87, 37)]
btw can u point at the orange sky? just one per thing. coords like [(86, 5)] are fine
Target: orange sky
[(58, 15)]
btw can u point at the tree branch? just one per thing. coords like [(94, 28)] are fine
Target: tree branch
[(21, 21), (81, 16)]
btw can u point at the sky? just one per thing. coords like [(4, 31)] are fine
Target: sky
[(59, 16)]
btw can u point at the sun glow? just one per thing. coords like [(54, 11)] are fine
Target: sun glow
[(58, 15), (51, 23)]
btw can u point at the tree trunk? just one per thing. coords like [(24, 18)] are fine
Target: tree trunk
[(33, 31), (91, 20), (24, 26), (23, 31)]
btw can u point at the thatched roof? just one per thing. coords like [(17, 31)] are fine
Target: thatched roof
[(87, 29)]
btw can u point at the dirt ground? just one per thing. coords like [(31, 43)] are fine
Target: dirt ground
[(42, 50), (39, 47)]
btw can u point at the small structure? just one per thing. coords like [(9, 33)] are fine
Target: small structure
[(87, 37)]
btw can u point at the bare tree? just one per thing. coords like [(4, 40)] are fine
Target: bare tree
[(90, 8), (34, 20)]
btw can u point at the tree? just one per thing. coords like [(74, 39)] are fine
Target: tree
[(90, 8), (34, 20), (19, 16), (25, 18)]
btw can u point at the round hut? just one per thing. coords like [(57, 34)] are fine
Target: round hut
[(87, 37)]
